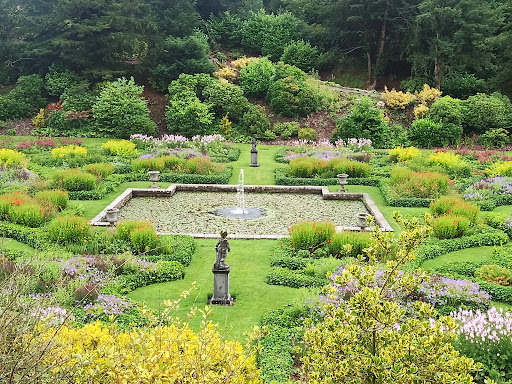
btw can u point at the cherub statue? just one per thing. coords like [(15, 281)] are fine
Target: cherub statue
[(221, 250)]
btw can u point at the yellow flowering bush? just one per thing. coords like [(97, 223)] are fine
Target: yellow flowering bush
[(397, 99), (500, 168), (10, 158), (69, 151), (420, 111), (164, 354), (226, 73), (452, 163), (428, 95), (401, 155), (122, 148), (242, 62)]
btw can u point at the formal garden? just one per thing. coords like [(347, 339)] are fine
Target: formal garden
[(418, 291)]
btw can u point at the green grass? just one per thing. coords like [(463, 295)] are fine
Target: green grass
[(262, 175), (470, 254), (6, 243), (506, 307), (250, 262)]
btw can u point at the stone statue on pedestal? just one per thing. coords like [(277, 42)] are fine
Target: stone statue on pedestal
[(221, 252)]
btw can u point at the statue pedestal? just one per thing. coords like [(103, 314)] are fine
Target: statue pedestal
[(221, 294), (254, 158)]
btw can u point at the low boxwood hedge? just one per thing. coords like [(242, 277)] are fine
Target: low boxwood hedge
[(433, 248), (186, 178), (282, 179), (294, 279), (393, 201), (183, 247), (232, 155)]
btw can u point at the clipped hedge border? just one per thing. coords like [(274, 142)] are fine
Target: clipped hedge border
[(275, 359), (290, 262), (99, 192), (282, 179), (132, 281), (186, 178), (294, 279), (13, 254), (232, 155), (34, 237), (409, 202), (434, 247), (498, 221), (493, 202), (182, 251)]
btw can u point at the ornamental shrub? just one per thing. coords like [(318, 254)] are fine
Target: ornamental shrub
[(483, 112), (187, 115), (463, 85), (292, 97), (450, 226), (68, 152), (56, 197), (500, 168), (255, 121), (494, 138), (448, 112), (24, 100), (173, 350), (204, 166), (119, 110), (10, 158), (287, 129), (428, 133), (256, 77), (310, 235), (452, 163), (364, 120), (68, 229), (122, 148), (225, 98), (226, 73), (350, 167), (300, 54), (149, 164), (406, 183), (448, 205), (141, 235), (428, 95), (19, 208), (420, 111), (494, 274), (348, 244), (57, 80), (100, 170), (396, 99), (73, 180), (308, 167), (307, 134), (401, 155)]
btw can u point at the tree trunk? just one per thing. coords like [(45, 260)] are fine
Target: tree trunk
[(371, 83), (438, 72)]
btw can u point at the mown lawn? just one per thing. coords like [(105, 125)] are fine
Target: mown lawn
[(250, 262)]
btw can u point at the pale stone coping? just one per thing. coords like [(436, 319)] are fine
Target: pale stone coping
[(130, 193)]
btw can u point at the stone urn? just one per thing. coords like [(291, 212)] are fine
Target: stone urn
[(154, 176), (112, 216), (361, 220), (342, 181)]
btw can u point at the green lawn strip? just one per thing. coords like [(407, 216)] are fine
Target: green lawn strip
[(506, 307), (470, 254), (250, 262), (7, 243), (505, 210), (262, 175), (93, 207)]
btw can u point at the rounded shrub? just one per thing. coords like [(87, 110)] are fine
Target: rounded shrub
[(427, 133), (450, 226), (73, 180), (56, 197), (123, 148), (68, 229), (140, 234), (448, 205), (100, 170), (348, 244), (291, 97), (300, 54), (308, 134), (310, 235), (256, 77), (494, 274)]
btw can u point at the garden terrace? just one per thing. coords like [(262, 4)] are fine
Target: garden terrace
[(353, 202)]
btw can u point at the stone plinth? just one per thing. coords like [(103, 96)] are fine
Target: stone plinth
[(221, 295), (254, 158)]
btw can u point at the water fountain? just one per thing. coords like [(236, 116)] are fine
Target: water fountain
[(240, 211)]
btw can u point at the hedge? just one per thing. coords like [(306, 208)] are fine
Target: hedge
[(232, 155), (275, 359), (186, 178), (34, 237), (165, 271), (183, 247), (433, 248), (100, 191), (282, 179), (294, 279), (392, 201), (493, 202), (290, 262)]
